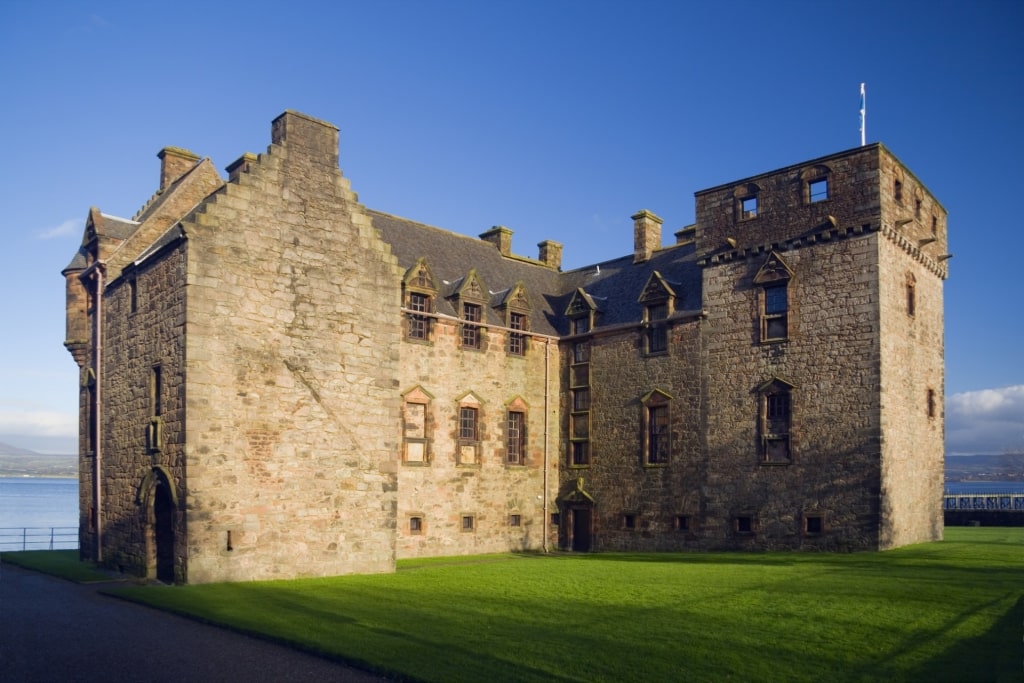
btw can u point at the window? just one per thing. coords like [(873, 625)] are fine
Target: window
[(911, 294), (468, 434), (581, 399), (156, 391), (581, 325), (580, 352), (774, 320), (657, 453), (748, 207), (897, 190), (515, 520), (657, 330), (818, 190), (580, 453), (472, 315), (743, 525), (467, 423), (133, 295), (815, 183), (415, 420), (516, 339), (419, 324), (416, 525), (468, 523), (776, 416), (682, 522), (628, 521), (516, 438), (917, 209), (814, 525), (657, 432), (931, 402), (935, 226)]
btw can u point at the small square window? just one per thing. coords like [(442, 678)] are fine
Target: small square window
[(415, 525), (468, 522), (556, 519), (515, 520), (580, 453), (682, 522), (748, 207), (629, 521), (814, 524), (817, 190), (744, 524)]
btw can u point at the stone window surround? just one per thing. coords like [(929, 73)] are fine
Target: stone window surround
[(657, 428)]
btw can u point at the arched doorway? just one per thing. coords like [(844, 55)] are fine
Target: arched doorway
[(158, 499), (163, 531)]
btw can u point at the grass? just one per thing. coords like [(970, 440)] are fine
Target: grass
[(948, 611), (62, 563)]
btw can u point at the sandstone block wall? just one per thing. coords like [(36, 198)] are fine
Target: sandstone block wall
[(293, 330), (443, 491)]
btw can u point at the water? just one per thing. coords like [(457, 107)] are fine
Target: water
[(38, 504), (964, 488)]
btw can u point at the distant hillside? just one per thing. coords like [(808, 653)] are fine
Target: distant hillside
[(1007, 467), (20, 462)]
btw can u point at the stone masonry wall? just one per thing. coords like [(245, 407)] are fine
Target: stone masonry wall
[(443, 491), (911, 357), (293, 330), (830, 356), (137, 341), (618, 478)]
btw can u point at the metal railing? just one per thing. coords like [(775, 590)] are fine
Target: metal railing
[(39, 538), (1006, 502)]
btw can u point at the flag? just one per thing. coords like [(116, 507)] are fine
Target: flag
[(863, 114)]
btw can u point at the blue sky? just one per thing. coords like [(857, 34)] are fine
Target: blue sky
[(558, 119)]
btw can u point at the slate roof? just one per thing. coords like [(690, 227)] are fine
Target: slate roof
[(615, 285)]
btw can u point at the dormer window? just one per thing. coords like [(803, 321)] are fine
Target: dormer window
[(658, 299), (581, 312), (470, 297), (472, 315), (418, 298), (517, 319)]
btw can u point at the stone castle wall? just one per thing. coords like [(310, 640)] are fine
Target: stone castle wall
[(293, 330), (442, 376)]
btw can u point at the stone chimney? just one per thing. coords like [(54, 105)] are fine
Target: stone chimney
[(646, 235), (315, 139), (500, 237), (551, 254), (174, 163), (686, 235)]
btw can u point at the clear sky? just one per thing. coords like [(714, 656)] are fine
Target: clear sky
[(558, 119)]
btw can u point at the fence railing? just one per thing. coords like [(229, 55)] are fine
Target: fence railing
[(1007, 502), (39, 538)]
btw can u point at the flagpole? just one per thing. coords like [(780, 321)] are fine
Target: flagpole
[(863, 116)]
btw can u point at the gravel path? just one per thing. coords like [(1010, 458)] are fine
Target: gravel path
[(54, 630)]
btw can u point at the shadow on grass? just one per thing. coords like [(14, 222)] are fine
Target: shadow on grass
[(1001, 650)]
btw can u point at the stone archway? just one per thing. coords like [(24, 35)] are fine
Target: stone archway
[(159, 500)]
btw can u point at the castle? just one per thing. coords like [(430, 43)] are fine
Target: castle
[(277, 381)]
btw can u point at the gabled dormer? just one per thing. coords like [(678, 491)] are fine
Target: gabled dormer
[(516, 308), (658, 301), (582, 312), (419, 290), (470, 299)]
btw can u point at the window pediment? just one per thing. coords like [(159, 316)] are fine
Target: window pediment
[(657, 290), (774, 269), (419, 278), (471, 288), (580, 304)]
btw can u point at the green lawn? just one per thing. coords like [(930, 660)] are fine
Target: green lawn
[(949, 611)]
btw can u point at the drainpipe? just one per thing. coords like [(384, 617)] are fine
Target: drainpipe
[(96, 271), (547, 435)]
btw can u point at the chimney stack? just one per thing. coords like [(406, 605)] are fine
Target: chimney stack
[(174, 163), (551, 254), (646, 235), (500, 237)]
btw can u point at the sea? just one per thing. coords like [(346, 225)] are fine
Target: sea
[(38, 513)]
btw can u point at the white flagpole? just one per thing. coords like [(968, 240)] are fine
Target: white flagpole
[(863, 115)]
